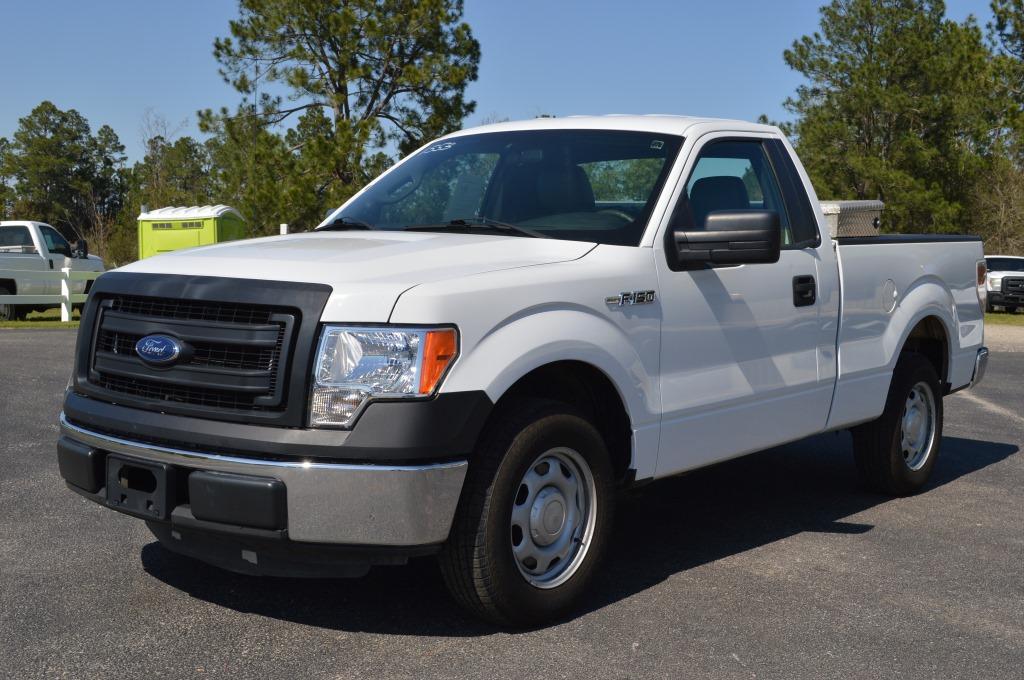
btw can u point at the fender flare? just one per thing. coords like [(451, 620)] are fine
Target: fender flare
[(510, 351)]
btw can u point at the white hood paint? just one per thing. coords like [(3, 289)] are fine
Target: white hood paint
[(367, 270)]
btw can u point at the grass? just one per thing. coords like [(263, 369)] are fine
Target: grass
[(1005, 319), (48, 319)]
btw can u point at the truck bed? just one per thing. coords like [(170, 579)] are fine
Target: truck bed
[(886, 280)]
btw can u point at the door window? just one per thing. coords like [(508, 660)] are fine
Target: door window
[(731, 175), (55, 243)]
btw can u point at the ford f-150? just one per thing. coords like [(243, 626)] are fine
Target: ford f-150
[(470, 356)]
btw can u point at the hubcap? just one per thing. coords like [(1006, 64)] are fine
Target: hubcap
[(917, 427), (553, 517), (6, 312)]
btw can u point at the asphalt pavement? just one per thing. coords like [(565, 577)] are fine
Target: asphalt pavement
[(776, 565)]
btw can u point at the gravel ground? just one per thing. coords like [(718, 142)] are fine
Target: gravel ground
[(1004, 338), (772, 566)]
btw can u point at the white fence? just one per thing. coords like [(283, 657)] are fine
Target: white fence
[(65, 299)]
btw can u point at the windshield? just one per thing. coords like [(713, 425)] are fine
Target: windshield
[(581, 185), (1005, 264)]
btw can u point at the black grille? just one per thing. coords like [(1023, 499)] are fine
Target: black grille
[(192, 309), (231, 358), (1014, 285), (149, 389), (221, 356)]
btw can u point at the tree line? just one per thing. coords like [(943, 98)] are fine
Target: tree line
[(898, 103)]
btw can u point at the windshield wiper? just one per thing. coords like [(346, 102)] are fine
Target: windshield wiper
[(345, 224), (471, 223)]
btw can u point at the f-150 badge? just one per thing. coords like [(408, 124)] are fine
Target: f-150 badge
[(636, 297)]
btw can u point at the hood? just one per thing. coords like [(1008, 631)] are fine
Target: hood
[(367, 270)]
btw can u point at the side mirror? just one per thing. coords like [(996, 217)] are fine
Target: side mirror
[(81, 249), (731, 237)]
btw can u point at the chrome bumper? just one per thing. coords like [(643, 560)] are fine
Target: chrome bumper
[(980, 364), (379, 505)]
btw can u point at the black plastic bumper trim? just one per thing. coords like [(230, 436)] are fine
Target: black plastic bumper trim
[(81, 465), (237, 499), (443, 428), (246, 553)]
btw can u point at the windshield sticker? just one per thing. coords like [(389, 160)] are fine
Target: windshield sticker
[(443, 146), (657, 144)]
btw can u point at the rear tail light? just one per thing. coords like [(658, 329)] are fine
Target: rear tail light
[(982, 289)]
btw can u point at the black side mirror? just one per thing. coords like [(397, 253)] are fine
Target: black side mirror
[(730, 237), (81, 249)]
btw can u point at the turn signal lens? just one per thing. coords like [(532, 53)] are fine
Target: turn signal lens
[(438, 352), (355, 365)]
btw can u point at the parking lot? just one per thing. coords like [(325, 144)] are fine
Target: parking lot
[(772, 566)]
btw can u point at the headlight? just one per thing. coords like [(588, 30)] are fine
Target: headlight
[(355, 365), (995, 282)]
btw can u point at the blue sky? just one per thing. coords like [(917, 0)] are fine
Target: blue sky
[(114, 60)]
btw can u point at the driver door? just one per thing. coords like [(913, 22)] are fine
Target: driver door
[(739, 352), (59, 255)]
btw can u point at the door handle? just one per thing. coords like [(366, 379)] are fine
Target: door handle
[(805, 291)]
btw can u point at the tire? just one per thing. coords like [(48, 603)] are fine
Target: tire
[(896, 453), (511, 474), (989, 308), (1011, 310), (10, 312)]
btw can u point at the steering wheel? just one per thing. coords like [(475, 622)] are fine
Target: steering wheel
[(622, 214)]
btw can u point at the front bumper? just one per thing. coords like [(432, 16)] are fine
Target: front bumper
[(1002, 299), (325, 502)]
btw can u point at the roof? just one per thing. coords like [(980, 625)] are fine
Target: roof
[(196, 212), (657, 123)]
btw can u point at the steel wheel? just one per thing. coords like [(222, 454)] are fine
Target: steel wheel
[(917, 426), (553, 517), (6, 310)]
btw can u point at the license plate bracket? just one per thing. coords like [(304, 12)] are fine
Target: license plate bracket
[(141, 487)]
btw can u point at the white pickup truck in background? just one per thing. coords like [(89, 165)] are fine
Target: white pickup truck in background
[(472, 354), (1005, 282), (32, 247)]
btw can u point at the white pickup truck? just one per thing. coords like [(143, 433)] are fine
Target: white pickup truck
[(1005, 282), (475, 352), (27, 248)]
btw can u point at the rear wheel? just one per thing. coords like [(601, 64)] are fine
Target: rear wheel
[(534, 517), (9, 312), (896, 453)]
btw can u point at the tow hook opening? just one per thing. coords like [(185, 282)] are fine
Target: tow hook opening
[(137, 479)]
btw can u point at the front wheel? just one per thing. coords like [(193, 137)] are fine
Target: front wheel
[(534, 517), (896, 453)]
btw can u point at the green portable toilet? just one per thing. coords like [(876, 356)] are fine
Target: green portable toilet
[(167, 229)]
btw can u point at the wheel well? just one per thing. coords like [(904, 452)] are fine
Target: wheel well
[(929, 339), (588, 389), (10, 285)]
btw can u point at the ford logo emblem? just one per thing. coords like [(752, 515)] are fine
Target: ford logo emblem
[(159, 350)]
